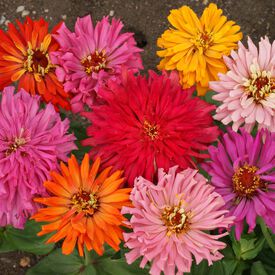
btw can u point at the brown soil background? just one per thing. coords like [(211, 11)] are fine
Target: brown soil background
[(147, 19)]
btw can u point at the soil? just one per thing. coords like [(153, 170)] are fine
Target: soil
[(147, 19)]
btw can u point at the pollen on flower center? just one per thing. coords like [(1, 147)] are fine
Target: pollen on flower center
[(175, 218), (85, 201), (246, 181), (15, 145), (38, 61), (203, 40), (151, 130), (260, 84), (94, 62)]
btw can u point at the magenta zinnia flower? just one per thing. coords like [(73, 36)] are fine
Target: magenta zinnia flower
[(247, 90), (90, 56), (144, 124), (242, 170), (169, 221), (32, 140)]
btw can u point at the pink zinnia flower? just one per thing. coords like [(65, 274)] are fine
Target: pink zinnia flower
[(169, 221), (32, 140), (247, 90), (90, 56), (242, 170), (144, 124)]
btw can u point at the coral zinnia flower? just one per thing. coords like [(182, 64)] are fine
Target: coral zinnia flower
[(92, 55), (195, 46), (85, 207), (145, 124), (24, 57), (32, 140), (242, 170), (169, 221), (247, 90)]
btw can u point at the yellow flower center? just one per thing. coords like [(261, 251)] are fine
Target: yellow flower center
[(246, 181), (37, 61), (151, 130), (85, 202), (94, 62), (176, 219), (15, 145), (203, 41), (260, 84)]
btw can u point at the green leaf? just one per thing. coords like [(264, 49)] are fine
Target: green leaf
[(258, 269), (27, 239), (267, 257), (109, 266), (57, 263), (5, 245), (88, 270), (248, 247)]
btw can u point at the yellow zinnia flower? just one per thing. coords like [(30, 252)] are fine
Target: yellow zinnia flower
[(195, 47)]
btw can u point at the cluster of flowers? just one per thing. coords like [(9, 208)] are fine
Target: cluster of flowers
[(148, 137)]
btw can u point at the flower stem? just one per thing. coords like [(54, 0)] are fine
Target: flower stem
[(87, 257), (267, 235)]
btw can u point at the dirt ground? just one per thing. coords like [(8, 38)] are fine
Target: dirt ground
[(147, 19)]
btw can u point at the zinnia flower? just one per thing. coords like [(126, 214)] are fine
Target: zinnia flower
[(85, 207), (32, 140), (169, 221), (145, 124), (24, 57), (242, 170), (195, 47), (91, 55), (247, 90)]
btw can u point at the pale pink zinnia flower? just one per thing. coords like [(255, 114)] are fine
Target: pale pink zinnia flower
[(90, 56), (247, 90), (169, 221), (32, 140)]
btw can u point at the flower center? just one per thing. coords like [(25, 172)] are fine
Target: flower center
[(37, 61), (246, 181), (203, 40), (15, 145), (94, 62), (175, 218), (260, 84), (85, 202), (151, 130)]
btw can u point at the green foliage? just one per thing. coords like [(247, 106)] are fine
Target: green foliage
[(248, 247), (25, 240), (57, 264)]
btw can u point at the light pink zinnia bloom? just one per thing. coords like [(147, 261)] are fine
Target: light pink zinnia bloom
[(32, 140), (247, 90), (90, 56), (169, 220)]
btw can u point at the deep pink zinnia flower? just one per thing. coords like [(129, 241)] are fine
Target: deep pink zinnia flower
[(169, 221), (247, 90), (90, 56), (32, 140), (242, 170), (145, 124)]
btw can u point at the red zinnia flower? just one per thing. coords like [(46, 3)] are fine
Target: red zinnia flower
[(24, 57), (144, 124)]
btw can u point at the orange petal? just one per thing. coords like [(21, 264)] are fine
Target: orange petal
[(53, 201), (74, 171), (109, 187), (56, 189), (17, 75), (84, 169)]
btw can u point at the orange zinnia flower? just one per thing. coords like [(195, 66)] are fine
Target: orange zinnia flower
[(25, 57), (85, 208)]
